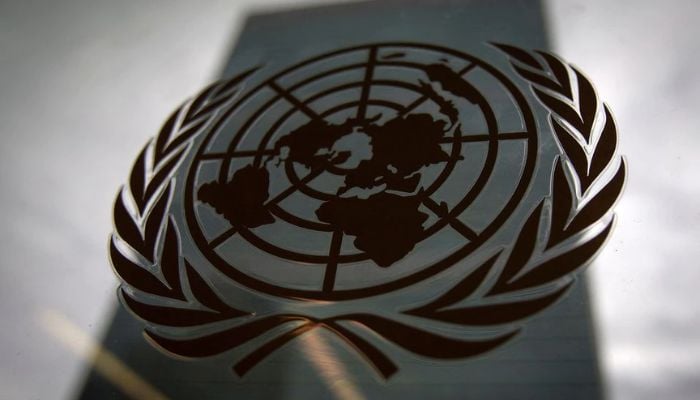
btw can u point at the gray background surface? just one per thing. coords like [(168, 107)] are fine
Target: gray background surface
[(554, 357), (83, 84)]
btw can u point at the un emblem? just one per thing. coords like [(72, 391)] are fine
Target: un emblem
[(309, 198)]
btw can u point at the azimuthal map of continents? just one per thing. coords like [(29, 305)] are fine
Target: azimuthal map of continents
[(318, 195), (358, 175)]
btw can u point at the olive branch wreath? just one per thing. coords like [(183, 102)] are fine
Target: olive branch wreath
[(145, 247)]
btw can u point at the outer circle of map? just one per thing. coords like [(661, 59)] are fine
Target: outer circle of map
[(346, 294)]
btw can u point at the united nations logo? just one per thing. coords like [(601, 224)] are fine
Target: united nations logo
[(329, 190)]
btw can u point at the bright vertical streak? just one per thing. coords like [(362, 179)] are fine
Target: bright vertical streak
[(329, 368), (104, 361)]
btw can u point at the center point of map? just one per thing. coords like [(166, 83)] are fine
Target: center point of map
[(348, 152)]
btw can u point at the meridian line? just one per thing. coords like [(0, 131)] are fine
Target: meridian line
[(286, 193), (424, 97), (486, 137), (442, 212), (296, 186), (295, 102), (332, 266), (223, 237), (466, 69), (367, 84)]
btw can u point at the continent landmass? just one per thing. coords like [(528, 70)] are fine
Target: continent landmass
[(241, 200), (400, 148), (386, 226)]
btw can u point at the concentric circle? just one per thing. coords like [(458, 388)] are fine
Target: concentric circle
[(245, 135)]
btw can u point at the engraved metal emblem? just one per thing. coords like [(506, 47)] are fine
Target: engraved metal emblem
[(372, 191)]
